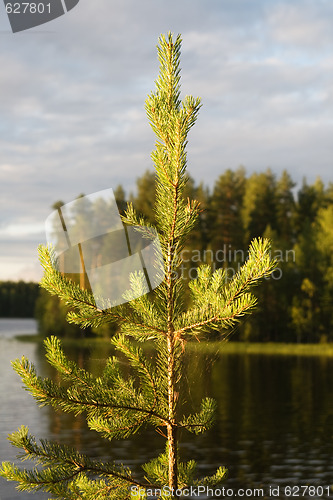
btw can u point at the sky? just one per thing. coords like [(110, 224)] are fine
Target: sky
[(72, 94)]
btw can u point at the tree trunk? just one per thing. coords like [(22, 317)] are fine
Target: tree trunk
[(172, 426)]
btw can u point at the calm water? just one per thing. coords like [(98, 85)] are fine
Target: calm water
[(274, 427)]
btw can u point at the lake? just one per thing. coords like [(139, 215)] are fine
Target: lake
[(274, 427)]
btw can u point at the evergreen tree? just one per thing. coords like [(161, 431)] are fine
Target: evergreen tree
[(51, 315), (305, 310), (258, 205), (117, 404), (324, 242), (285, 208), (144, 201), (226, 204), (120, 197), (198, 238), (310, 200)]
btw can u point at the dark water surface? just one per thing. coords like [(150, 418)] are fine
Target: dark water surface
[(274, 426)]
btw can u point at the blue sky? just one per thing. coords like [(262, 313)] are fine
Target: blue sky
[(72, 94)]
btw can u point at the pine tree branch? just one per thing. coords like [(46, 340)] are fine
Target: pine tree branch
[(145, 369), (68, 369), (219, 305), (76, 375), (63, 464), (46, 392), (87, 313), (218, 320), (202, 421)]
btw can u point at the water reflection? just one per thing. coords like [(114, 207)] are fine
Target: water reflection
[(275, 419), (16, 406), (274, 425)]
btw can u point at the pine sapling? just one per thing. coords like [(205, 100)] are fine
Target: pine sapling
[(118, 405)]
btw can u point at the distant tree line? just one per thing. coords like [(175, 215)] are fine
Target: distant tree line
[(296, 304), (18, 299)]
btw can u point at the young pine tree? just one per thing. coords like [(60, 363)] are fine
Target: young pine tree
[(115, 405)]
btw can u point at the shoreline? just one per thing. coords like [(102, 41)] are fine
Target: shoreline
[(215, 347)]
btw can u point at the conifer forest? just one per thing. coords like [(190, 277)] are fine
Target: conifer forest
[(295, 305)]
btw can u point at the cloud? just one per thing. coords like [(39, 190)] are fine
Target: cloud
[(72, 116), (302, 25)]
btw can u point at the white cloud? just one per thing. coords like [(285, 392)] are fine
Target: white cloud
[(72, 108), (305, 24)]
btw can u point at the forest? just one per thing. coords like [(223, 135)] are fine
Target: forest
[(295, 304), (18, 299)]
